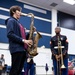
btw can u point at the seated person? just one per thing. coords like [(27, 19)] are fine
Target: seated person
[(2, 63), (70, 65)]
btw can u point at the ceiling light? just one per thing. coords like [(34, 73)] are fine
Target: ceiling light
[(72, 2)]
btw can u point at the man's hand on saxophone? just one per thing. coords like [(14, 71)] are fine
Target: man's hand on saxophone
[(28, 42)]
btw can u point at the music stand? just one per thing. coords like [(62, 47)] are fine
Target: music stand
[(46, 68)]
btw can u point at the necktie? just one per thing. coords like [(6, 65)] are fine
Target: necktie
[(23, 34)]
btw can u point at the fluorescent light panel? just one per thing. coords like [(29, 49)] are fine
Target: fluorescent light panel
[(35, 9), (2, 26), (4, 46), (72, 2), (1, 8), (3, 17)]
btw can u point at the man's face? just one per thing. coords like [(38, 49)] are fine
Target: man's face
[(2, 56), (57, 30), (17, 14)]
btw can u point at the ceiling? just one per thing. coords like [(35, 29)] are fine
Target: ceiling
[(60, 5)]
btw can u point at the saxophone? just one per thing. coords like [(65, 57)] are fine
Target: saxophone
[(32, 50)]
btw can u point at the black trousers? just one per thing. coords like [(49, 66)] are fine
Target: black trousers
[(18, 60), (0, 72)]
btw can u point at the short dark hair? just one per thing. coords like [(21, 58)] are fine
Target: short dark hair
[(58, 28), (2, 54), (14, 8)]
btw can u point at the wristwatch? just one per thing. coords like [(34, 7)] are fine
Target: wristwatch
[(23, 40)]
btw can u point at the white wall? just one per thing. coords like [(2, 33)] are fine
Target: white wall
[(4, 50), (41, 59), (71, 39)]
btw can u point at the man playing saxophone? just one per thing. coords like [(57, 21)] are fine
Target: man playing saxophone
[(59, 49), (18, 41)]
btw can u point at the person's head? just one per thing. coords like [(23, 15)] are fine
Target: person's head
[(15, 11), (57, 30), (2, 55)]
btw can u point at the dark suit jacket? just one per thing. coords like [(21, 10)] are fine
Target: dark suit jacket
[(14, 35), (54, 45)]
